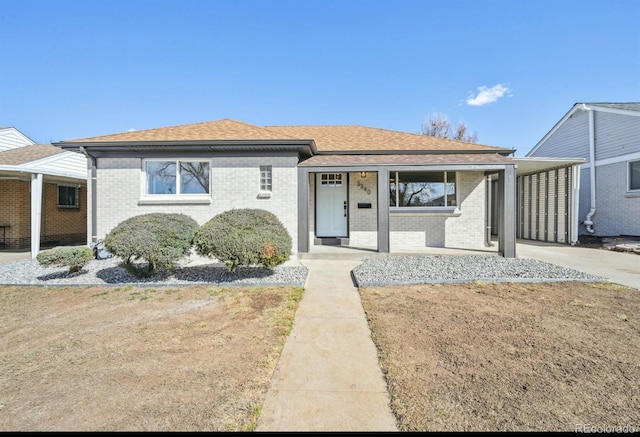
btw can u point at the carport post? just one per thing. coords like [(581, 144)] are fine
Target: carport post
[(507, 231), (36, 213)]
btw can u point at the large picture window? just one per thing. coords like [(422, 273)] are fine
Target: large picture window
[(422, 189), (177, 177), (634, 176)]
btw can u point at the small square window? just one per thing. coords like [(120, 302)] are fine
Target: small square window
[(265, 178), (68, 196)]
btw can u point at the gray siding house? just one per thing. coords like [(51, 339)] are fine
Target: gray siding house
[(353, 186), (607, 137)]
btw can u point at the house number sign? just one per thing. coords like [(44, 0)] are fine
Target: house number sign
[(363, 188)]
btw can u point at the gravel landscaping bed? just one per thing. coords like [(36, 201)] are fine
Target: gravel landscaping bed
[(108, 271), (398, 270)]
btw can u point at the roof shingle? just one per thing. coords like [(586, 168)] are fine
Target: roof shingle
[(349, 139), (24, 154)]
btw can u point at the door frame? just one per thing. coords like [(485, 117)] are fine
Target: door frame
[(315, 200)]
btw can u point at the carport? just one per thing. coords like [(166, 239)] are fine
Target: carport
[(547, 199)]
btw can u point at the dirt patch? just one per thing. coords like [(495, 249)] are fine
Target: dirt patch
[(509, 357), (139, 359)]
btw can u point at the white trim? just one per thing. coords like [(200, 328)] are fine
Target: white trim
[(146, 196), (575, 108), (617, 159), (629, 189)]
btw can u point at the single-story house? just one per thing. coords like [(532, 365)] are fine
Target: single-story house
[(607, 137), (42, 194), (344, 185)]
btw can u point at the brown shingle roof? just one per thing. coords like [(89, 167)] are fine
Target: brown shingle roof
[(355, 139), (211, 130), (362, 138), (454, 158), (24, 154)]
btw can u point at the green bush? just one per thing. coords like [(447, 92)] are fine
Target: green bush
[(73, 257), (160, 239), (244, 237)]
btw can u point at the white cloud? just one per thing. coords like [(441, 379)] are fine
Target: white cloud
[(131, 130), (487, 95)]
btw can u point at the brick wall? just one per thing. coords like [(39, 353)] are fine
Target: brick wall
[(235, 184), (15, 207), (58, 226), (617, 211), (464, 228)]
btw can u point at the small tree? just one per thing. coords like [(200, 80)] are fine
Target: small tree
[(244, 237), (70, 256), (438, 125), (160, 239)]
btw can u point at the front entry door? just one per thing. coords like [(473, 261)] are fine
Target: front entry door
[(331, 205)]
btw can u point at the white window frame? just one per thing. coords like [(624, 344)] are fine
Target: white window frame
[(445, 208), (145, 188), (76, 205), (265, 184), (629, 188)]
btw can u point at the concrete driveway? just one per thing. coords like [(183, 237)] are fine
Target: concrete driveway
[(619, 267)]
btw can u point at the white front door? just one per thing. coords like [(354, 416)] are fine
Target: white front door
[(331, 205)]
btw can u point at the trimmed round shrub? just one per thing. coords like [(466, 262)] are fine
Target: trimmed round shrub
[(160, 239), (244, 237), (70, 256)]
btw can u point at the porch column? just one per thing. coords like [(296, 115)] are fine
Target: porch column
[(507, 227), (36, 213), (303, 209), (383, 210)]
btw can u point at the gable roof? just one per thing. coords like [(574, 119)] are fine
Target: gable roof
[(45, 159), (323, 139), (628, 108), (10, 138), (24, 154)]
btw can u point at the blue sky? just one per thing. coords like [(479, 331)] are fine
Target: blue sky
[(509, 69)]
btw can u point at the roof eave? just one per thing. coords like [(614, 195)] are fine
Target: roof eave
[(306, 147), (504, 152)]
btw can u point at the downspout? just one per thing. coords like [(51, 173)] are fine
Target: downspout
[(592, 170), (93, 217), (487, 238)]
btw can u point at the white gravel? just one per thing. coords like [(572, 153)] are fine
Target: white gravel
[(379, 271), (463, 268), (108, 271)]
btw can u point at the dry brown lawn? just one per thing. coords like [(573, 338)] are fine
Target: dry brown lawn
[(509, 356), (461, 357), (192, 358)]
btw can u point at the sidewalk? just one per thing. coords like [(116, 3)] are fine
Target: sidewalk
[(328, 377)]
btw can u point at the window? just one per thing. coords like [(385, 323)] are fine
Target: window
[(177, 177), (331, 180), (265, 178), (68, 196), (422, 189), (634, 176)]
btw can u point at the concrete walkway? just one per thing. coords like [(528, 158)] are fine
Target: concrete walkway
[(328, 377)]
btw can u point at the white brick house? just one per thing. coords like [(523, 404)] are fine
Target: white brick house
[(607, 137), (348, 185)]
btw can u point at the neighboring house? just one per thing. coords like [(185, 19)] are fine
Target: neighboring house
[(42, 194), (607, 136), (349, 185)]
